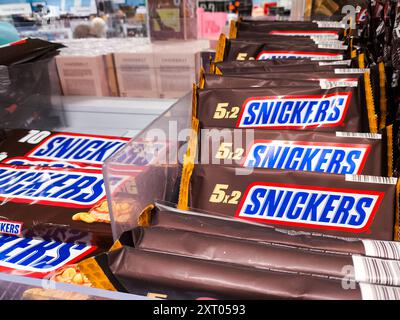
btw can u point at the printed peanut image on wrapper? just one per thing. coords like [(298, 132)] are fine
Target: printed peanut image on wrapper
[(325, 152), (339, 205), (293, 43)]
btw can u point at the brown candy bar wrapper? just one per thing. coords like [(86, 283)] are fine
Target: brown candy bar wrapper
[(178, 277), (279, 65), (328, 29), (286, 108), (292, 42), (368, 81), (340, 152), (262, 37), (213, 81), (52, 294), (286, 62), (168, 217), (44, 259), (261, 255), (60, 204), (340, 205), (257, 50), (283, 35)]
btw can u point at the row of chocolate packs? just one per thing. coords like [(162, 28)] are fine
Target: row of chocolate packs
[(52, 185), (298, 113), (53, 210), (288, 187)]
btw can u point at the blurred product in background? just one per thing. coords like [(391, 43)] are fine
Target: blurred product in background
[(172, 19), (7, 33), (125, 123), (133, 68), (331, 9)]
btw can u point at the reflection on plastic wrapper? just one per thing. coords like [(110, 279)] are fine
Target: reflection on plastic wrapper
[(148, 167), (30, 96)]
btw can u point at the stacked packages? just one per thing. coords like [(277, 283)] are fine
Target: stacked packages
[(289, 177), (29, 89), (129, 68), (53, 210)]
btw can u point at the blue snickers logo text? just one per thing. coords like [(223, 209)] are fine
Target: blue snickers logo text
[(294, 112), (69, 147), (62, 187), (34, 255), (303, 156), (313, 207), (10, 227)]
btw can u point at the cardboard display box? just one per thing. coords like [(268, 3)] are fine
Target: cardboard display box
[(157, 70), (136, 75), (86, 75), (172, 19), (175, 73)]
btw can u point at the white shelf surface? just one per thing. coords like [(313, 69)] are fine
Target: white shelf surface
[(109, 115)]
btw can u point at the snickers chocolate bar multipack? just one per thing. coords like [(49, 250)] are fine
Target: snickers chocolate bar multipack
[(289, 185), (361, 206), (40, 258), (240, 260), (52, 186), (324, 152)]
